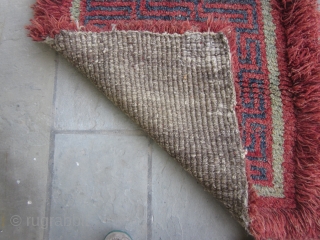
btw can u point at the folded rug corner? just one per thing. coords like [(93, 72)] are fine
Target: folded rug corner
[(229, 88)]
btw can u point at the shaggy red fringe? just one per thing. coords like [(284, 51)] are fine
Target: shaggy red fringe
[(301, 22), (53, 16)]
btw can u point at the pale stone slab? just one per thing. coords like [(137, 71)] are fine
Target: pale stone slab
[(99, 184), (27, 78)]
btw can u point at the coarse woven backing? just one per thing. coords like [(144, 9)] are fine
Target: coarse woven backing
[(179, 89)]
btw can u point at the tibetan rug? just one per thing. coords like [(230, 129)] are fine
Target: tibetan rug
[(229, 88)]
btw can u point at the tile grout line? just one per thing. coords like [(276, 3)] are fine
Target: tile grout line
[(103, 132), (51, 150), (149, 190)]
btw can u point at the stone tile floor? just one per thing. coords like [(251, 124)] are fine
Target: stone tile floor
[(74, 167)]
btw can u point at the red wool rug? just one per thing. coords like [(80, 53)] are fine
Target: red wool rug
[(230, 88)]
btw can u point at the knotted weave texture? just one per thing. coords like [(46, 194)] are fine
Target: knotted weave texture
[(179, 89)]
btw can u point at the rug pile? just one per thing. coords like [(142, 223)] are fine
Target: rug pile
[(229, 88)]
